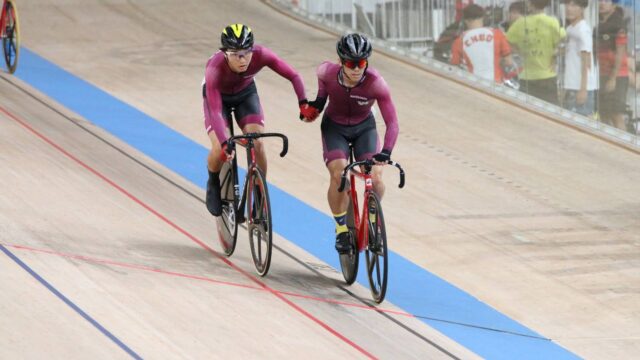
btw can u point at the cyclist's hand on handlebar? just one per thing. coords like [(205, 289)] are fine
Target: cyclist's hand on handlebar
[(227, 152), (382, 157), (308, 113)]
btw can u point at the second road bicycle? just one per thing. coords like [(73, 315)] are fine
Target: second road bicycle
[(251, 204)]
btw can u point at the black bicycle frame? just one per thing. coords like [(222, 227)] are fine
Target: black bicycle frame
[(246, 141)]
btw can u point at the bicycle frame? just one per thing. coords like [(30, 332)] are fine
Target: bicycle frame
[(361, 229), (2, 24), (359, 219), (246, 141)]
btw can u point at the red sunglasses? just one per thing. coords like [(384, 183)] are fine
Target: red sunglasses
[(352, 64)]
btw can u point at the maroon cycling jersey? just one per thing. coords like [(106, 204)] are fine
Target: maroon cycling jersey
[(220, 80), (351, 106)]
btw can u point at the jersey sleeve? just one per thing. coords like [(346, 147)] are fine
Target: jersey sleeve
[(456, 51), (388, 110), (503, 48), (213, 103), (321, 73), (586, 39), (285, 70)]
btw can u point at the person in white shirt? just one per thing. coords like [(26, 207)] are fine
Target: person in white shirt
[(580, 77)]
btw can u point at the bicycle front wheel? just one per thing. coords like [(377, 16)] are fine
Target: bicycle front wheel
[(349, 262), (260, 232), (376, 252), (11, 36), (227, 223)]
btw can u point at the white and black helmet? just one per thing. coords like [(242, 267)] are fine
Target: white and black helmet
[(353, 47)]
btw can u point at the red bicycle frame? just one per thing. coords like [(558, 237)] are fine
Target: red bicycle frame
[(361, 229), (2, 19)]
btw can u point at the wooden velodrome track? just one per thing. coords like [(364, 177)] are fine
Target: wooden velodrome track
[(109, 253)]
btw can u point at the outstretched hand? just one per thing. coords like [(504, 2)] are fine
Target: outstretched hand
[(308, 113)]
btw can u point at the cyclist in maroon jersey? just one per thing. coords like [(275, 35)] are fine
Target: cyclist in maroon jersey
[(352, 87), (229, 88)]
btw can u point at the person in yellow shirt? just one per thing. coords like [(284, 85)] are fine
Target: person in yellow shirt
[(536, 37)]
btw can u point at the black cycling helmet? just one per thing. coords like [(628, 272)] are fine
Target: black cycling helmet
[(353, 47), (236, 37)]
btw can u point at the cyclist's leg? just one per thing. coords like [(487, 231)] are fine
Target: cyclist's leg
[(250, 118), (213, 159), (261, 155), (335, 149), (366, 144), (378, 184), (338, 201), (214, 163)]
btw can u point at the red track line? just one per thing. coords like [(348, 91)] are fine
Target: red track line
[(130, 266), (188, 235), (202, 278)]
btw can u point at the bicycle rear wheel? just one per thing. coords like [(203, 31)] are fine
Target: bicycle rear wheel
[(376, 252), (349, 262), (11, 37), (259, 226), (227, 223)]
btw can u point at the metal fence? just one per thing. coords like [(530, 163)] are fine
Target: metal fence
[(424, 27), (415, 24)]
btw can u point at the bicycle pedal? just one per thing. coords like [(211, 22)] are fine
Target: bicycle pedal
[(375, 249)]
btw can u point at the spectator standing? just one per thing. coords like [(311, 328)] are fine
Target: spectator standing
[(536, 37), (580, 79), (612, 62), (516, 11), (481, 48)]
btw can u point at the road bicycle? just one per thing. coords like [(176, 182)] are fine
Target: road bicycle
[(366, 228), (10, 33), (255, 199)]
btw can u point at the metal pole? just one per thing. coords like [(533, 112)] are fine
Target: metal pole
[(354, 24), (375, 21), (384, 19)]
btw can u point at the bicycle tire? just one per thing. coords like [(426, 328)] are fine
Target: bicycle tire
[(376, 254), (259, 225), (349, 262), (11, 37), (227, 224)]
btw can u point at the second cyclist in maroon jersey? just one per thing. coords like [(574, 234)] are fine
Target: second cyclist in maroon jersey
[(229, 89), (351, 88)]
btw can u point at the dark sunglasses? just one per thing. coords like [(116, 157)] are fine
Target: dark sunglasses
[(352, 64)]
